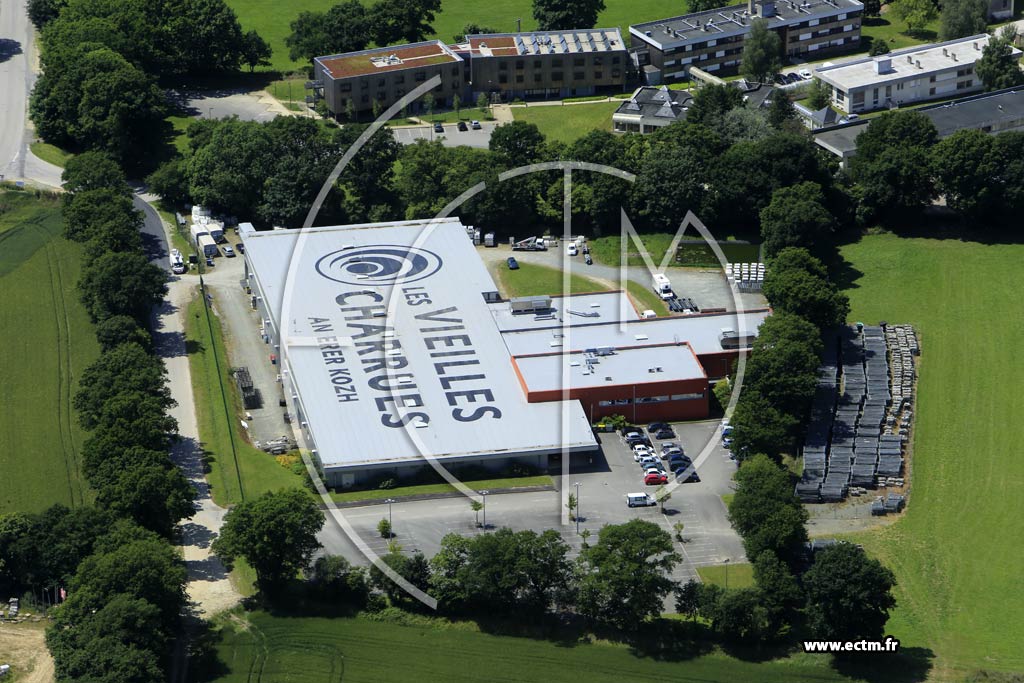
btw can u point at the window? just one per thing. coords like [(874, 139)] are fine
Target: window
[(888, 91), (400, 78), (537, 78), (932, 79), (899, 86), (455, 71), (364, 99), (616, 73), (537, 64), (598, 61), (615, 60), (503, 66), (577, 75), (364, 85), (931, 91), (420, 76), (556, 62), (502, 78), (520, 64), (346, 87), (556, 75), (598, 74), (577, 61), (874, 94), (519, 78), (381, 82)]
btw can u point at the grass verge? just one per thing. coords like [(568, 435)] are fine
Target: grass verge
[(739, 575), (51, 154), (607, 250), (534, 280), (431, 489), (235, 469), (48, 342)]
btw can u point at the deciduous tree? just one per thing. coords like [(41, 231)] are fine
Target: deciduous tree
[(345, 27), (998, 68), (916, 14), (393, 21), (962, 18), (561, 15), (122, 284), (797, 217), (849, 594), (762, 53), (766, 512)]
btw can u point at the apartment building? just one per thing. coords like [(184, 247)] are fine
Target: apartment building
[(357, 82), (713, 40), (548, 63), (916, 74)]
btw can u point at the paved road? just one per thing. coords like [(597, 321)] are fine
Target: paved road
[(217, 104), (17, 76), (452, 136), (154, 236)]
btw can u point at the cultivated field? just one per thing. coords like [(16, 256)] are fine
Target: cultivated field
[(957, 551), (272, 19), (48, 341), (317, 650)]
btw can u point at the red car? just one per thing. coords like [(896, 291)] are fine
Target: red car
[(653, 479)]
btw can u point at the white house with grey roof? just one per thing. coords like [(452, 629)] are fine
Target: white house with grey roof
[(916, 74), (651, 108)]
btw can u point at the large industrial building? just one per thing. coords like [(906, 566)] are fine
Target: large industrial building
[(394, 346), (713, 40)]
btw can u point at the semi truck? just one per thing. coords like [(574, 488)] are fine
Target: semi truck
[(207, 246), (529, 244), (662, 287)]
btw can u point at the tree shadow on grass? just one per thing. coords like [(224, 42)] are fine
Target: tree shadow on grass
[(909, 665)]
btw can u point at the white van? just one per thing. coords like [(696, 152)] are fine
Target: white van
[(640, 500)]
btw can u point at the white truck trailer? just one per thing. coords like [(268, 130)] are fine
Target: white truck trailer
[(207, 246), (662, 287), (198, 230)]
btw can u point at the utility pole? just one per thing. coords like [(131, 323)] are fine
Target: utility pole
[(519, 25), (389, 501), (484, 494), (577, 508), (727, 573)]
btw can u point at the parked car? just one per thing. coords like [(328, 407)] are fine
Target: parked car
[(438, 128), (241, 247), (654, 470), (657, 426), (572, 249), (666, 433), (805, 74), (512, 263), (635, 500), (675, 463), (228, 251), (779, 79), (463, 126), (727, 441), (655, 479), (673, 454), (646, 460), (475, 125), (792, 78), (640, 451), (687, 474)]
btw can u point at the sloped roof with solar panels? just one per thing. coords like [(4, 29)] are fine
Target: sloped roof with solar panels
[(546, 43)]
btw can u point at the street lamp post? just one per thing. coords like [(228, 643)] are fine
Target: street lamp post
[(727, 573), (389, 501), (577, 508), (484, 494)]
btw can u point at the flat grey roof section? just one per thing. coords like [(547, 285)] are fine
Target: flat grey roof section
[(642, 365), (575, 309), (911, 62), (701, 332), (371, 358), (724, 22), (993, 109)]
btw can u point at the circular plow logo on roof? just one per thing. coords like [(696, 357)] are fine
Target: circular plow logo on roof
[(379, 265)]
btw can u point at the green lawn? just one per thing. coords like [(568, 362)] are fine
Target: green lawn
[(568, 122), (50, 153), (535, 280), (353, 650), (645, 298), (739, 575), (271, 19), (957, 550), (424, 489), (236, 469), (893, 32), (48, 341)]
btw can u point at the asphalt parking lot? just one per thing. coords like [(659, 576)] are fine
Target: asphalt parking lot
[(452, 136), (709, 539)]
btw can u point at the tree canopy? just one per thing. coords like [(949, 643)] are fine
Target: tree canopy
[(962, 18), (766, 512), (998, 68), (796, 217), (762, 53), (849, 594), (916, 14), (791, 287), (275, 533), (560, 15), (344, 27)]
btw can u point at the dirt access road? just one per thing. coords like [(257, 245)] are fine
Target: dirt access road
[(23, 646)]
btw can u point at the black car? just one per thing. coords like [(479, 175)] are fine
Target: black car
[(463, 126), (512, 263), (657, 426), (680, 460), (664, 434), (687, 474), (438, 128), (779, 79), (241, 247)]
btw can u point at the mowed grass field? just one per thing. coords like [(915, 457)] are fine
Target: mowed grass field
[(48, 341), (957, 551), (567, 122), (532, 279), (272, 19), (267, 649)]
